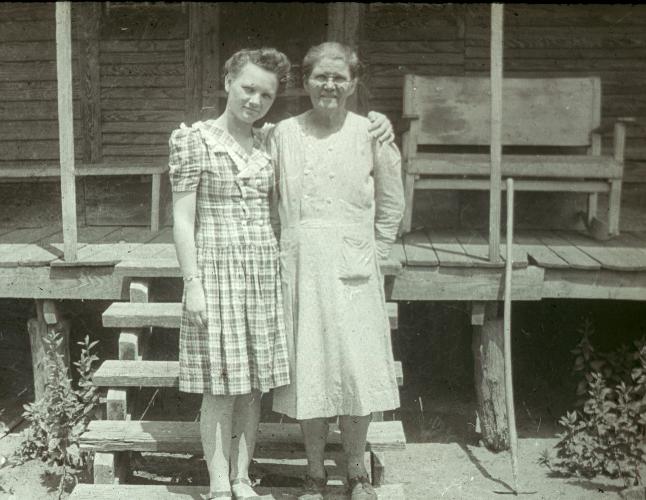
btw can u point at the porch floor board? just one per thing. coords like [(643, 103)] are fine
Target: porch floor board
[(444, 260)]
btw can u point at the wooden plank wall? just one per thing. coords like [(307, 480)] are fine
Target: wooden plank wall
[(138, 85), (539, 40), (29, 112), (142, 59), (28, 105)]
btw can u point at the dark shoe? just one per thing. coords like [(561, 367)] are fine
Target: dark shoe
[(313, 488), (361, 489)]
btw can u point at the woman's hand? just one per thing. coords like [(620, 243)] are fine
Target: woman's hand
[(196, 303), (380, 127)]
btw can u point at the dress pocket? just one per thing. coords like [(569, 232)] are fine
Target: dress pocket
[(357, 262)]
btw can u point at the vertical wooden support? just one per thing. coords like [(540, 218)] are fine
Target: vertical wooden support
[(477, 313), (345, 22), (47, 319), (155, 196), (614, 201), (409, 144), (211, 60), (496, 132), (193, 64), (66, 127), (378, 468), (117, 404), (595, 147), (109, 468), (129, 344), (140, 291), (489, 368), (90, 78), (133, 343)]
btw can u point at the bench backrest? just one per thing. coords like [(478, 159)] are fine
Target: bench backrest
[(536, 111)]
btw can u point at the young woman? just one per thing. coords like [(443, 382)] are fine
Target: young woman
[(232, 336)]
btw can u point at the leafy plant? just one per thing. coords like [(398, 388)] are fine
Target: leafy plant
[(61, 415), (607, 434)]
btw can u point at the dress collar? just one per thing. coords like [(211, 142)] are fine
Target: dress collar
[(219, 139)]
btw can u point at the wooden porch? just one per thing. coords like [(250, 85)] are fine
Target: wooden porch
[(427, 264)]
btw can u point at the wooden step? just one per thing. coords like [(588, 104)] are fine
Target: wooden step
[(157, 492), (184, 437), (118, 373), (142, 315), (168, 315)]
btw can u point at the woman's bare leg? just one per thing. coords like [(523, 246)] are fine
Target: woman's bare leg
[(246, 416), (215, 429), (315, 432), (354, 432)]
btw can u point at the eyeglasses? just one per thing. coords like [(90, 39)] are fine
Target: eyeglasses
[(336, 80)]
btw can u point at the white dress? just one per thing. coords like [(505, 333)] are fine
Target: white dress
[(340, 204)]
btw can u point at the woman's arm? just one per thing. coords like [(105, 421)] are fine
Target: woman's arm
[(185, 165), (184, 237), (389, 196)]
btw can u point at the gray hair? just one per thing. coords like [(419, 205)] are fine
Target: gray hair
[(331, 50)]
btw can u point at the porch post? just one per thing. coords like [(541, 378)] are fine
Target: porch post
[(66, 127), (488, 331), (496, 132)]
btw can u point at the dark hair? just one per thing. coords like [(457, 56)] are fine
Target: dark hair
[(266, 57), (332, 50)]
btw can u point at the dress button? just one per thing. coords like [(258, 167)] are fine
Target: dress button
[(331, 175), (329, 201)]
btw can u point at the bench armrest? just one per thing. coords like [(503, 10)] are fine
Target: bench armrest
[(403, 124), (626, 120)]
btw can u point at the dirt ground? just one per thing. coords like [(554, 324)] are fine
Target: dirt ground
[(442, 458)]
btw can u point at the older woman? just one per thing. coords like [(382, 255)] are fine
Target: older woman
[(341, 201)]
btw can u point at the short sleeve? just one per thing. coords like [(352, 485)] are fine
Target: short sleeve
[(186, 159)]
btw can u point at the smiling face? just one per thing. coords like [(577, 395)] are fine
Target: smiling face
[(251, 92), (330, 84)]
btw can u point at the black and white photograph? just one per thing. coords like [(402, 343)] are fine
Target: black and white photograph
[(322, 251)]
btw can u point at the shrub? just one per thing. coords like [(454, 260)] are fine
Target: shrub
[(606, 435), (59, 418)]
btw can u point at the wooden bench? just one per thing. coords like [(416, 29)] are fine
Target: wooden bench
[(551, 134), (155, 170)]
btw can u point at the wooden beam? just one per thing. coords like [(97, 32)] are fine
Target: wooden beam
[(489, 371), (130, 341), (117, 404), (66, 126), (140, 290), (211, 58), (184, 437), (496, 131), (193, 64), (109, 468), (345, 21), (465, 283), (48, 319), (90, 78), (478, 313)]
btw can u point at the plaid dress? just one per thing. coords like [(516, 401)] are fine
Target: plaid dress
[(243, 346)]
